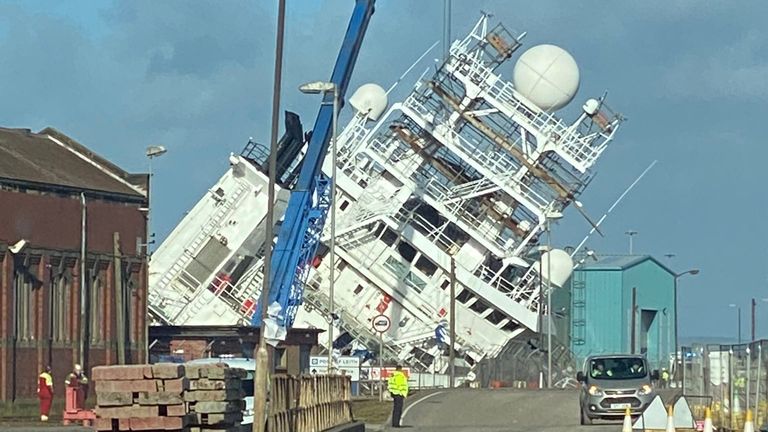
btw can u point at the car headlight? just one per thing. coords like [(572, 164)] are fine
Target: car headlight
[(594, 391), (644, 390)]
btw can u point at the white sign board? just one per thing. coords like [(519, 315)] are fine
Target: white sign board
[(381, 323), (349, 365)]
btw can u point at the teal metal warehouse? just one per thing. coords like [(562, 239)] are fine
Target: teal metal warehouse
[(596, 310)]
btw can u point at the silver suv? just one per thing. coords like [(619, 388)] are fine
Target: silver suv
[(612, 383)]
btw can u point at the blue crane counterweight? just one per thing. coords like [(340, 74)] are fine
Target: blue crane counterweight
[(310, 198)]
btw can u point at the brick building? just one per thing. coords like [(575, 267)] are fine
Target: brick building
[(66, 296)]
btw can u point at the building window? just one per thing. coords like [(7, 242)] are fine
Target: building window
[(25, 306), (60, 307), (96, 308)]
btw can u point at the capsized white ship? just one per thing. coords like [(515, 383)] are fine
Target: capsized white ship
[(469, 168)]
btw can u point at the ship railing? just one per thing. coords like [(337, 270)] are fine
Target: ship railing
[(430, 231), (522, 291), (568, 140), (396, 156), (225, 207), (349, 139), (500, 166)]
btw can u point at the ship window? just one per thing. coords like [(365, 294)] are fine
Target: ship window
[(426, 266), (389, 237), (406, 251), (358, 289), (341, 265), (479, 306), (344, 205), (495, 317), (446, 283), (464, 296), (511, 326)]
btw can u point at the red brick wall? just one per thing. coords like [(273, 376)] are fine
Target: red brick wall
[(54, 222), (51, 224)]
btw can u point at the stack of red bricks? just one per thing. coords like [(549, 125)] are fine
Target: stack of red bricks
[(215, 398), (141, 398)]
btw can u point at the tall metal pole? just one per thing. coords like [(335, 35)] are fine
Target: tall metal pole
[(446, 29), (381, 366), (677, 342), (754, 306), (739, 318), (634, 321), (332, 252), (452, 337), (631, 233), (549, 305), (261, 380)]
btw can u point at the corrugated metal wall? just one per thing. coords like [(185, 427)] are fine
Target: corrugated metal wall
[(605, 309)]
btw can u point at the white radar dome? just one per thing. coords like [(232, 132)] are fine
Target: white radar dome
[(562, 266), (548, 76), (371, 99)]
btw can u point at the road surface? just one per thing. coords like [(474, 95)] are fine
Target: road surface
[(499, 410)]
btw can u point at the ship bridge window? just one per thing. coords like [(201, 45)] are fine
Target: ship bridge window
[(464, 296), (389, 237), (479, 306), (495, 317), (446, 283), (344, 205), (407, 251), (426, 266), (358, 289)]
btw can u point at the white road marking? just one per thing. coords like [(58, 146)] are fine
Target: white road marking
[(408, 408)]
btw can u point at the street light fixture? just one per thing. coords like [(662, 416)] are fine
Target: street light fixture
[(631, 233), (151, 153), (322, 87), (692, 272), (550, 216)]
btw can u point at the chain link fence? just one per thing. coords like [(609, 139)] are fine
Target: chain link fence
[(731, 379)]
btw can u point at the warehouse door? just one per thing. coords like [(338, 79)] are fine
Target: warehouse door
[(646, 322)]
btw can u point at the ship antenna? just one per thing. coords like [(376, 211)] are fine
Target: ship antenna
[(392, 87), (610, 209)]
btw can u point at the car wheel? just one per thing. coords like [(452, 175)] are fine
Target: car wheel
[(584, 419)]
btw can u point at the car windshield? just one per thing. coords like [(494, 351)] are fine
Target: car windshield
[(617, 368)]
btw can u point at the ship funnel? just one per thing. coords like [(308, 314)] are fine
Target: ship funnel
[(561, 266), (370, 100)]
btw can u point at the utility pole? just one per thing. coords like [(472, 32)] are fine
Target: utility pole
[(452, 337), (261, 379), (631, 233), (754, 307)]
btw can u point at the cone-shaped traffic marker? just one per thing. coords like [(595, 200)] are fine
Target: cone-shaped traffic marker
[(749, 425), (627, 427), (670, 419), (708, 420)]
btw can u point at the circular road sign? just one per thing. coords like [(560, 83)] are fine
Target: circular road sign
[(381, 323)]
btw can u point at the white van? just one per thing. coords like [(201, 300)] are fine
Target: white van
[(241, 363)]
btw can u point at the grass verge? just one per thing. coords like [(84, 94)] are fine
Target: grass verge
[(371, 410)]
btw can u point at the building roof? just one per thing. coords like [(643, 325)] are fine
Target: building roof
[(619, 262), (50, 158)]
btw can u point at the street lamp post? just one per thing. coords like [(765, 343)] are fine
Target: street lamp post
[(319, 87), (691, 272), (152, 152), (631, 233), (550, 216)]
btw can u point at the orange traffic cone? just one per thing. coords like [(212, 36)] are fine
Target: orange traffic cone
[(749, 425), (670, 419), (708, 420), (627, 427)]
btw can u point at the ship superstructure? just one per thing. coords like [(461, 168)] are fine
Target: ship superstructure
[(465, 172)]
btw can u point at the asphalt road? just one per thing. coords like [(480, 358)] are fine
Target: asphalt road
[(499, 410)]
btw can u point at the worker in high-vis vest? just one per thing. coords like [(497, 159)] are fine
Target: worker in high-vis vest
[(45, 392), (398, 388)]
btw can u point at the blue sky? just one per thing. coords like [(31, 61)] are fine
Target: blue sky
[(195, 76)]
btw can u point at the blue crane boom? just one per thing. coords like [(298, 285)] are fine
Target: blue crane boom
[(310, 198)]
